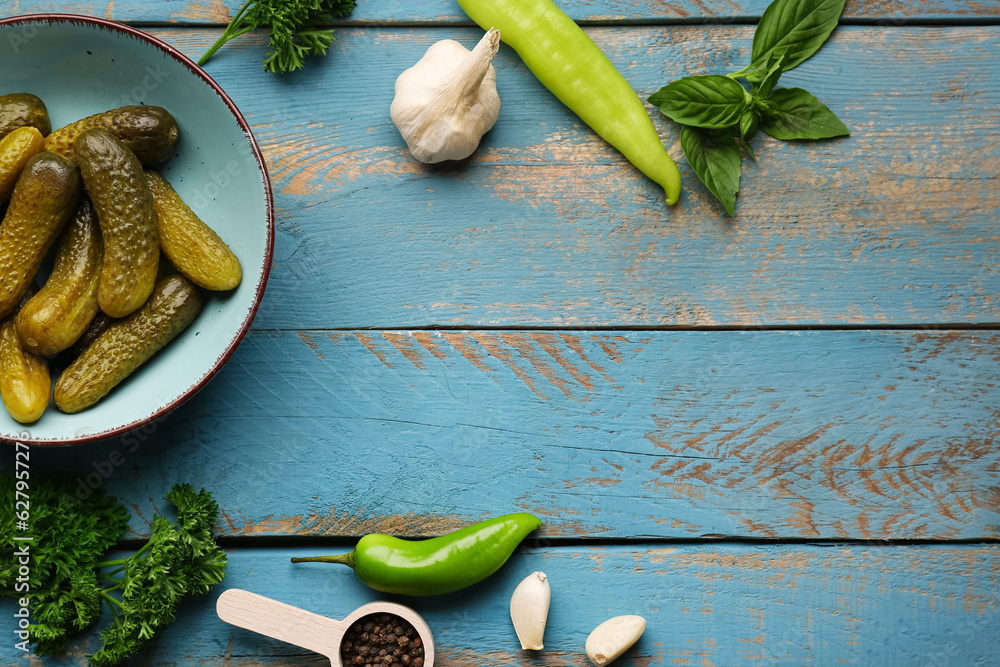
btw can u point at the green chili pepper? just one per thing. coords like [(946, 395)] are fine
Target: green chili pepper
[(569, 64), (437, 565)]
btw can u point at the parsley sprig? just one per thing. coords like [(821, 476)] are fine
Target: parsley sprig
[(70, 583), (718, 113), (295, 29)]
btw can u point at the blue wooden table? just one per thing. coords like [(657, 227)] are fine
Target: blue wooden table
[(774, 436)]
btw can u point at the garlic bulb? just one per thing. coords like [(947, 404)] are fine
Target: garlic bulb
[(446, 102), (529, 608), (613, 637)]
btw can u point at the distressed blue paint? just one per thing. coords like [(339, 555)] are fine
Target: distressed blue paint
[(335, 418), (548, 226), (184, 12), (670, 434), (717, 605)]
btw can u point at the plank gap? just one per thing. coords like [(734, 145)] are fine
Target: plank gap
[(347, 542), (950, 326), (881, 22)]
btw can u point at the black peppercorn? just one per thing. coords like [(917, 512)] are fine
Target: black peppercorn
[(382, 640)]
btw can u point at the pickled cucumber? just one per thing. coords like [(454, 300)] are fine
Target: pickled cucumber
[(149, 131), (97, 326), (21, 110), (15, 149), (62, 310), (25, 385), (116, 183), (127, 344), (44, 199), (166, 268), (194, 247)]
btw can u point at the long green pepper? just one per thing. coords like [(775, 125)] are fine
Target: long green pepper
[(575, 70), (437, 565)]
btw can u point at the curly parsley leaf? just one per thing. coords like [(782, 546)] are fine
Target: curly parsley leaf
[(180, 559), (72, 528), (296, 29)]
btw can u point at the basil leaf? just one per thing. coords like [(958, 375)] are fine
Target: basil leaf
[(715, 158), (792, 113), (800, 26), (749, 122), (711, 101), (765, 77)]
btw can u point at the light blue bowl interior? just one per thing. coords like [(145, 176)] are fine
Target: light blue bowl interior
[(79, 69)]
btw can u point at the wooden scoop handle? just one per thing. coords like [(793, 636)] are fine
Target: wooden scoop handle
[(281, 621)]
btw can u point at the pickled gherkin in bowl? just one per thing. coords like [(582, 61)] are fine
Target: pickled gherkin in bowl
[(181, 130)]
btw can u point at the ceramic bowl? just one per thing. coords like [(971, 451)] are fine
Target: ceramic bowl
[(79, 66)]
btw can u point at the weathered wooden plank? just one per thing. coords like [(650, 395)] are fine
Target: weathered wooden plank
[(704, 605), (812, 434), (548, 226), (387, 12)]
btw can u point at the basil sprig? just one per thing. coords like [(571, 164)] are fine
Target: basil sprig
[(719, 113)]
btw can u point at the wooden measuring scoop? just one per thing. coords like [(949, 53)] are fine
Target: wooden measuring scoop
[(307, 630)]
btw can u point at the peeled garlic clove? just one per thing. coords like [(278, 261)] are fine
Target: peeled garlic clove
[(613, 637), (529, 608)]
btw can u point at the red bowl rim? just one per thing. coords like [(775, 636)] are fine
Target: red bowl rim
[(269, 250)]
